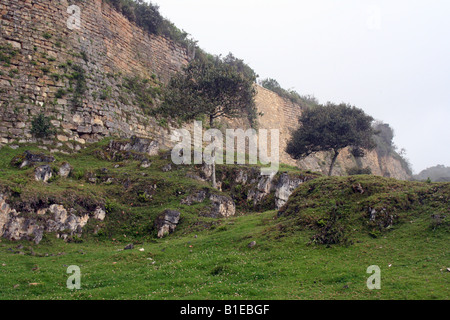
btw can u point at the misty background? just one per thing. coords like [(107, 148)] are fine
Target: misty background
[(390, 58)]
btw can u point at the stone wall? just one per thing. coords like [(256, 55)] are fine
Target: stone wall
[(37, 57), (282, 114), (38, 51)]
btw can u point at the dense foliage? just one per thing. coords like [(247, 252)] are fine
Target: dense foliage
[(147, 16), (41, 126), (292, 95), (213, 88), (331, 128)]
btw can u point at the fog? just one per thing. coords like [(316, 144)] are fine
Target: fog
[(390, 58)]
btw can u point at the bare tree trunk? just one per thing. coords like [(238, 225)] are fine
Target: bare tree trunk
[(213, 169), (336, 154)]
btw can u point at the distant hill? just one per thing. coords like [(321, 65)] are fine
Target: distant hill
[(439, 173)]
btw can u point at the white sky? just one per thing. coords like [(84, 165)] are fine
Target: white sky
[(390, 58)]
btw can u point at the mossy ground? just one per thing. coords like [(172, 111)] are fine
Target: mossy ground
[(209, 259)]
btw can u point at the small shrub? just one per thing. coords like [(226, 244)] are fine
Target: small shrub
[(144, 197), (84, 56), (375, 233), (359, 171), (20, 181), (163, 123), (438, 220), (110, 206), (105, 93), (45, 70), (16, 191), (53, 178), (55, 76), (331, 231), (41, 126), (60, 93), (77, 174), (79, 76)]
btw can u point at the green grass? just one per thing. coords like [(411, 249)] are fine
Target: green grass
[(209, 259), (220, 266)]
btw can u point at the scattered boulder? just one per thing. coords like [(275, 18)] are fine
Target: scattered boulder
[(285, 187), (358, 188), (29, 159), (43, 173), (64, 221), (222, 206), (251, 244), (14, 227), (262, 189), (167, 168), (197, 197), (167, 222), (194, 176), (241, 177), (64, 170), (136, 144), (99, 214), (382, 218), (206, 172), (145, 164), (91, 177)]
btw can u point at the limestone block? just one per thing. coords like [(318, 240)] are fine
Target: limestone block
[(62, 138), (84, 129)]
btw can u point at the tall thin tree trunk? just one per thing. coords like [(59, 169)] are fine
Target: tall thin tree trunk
[(336, 154), (213, 169)]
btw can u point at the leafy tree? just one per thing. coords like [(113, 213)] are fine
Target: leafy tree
[(209, 87), (271, 84), (331, 127), (240, 66)]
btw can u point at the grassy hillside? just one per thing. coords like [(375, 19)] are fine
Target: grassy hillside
[(318, 246)]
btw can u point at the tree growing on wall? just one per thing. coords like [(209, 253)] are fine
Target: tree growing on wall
[(332, 128), (211, 88)]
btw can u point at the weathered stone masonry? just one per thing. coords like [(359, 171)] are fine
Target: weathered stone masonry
[(36, 33), (36, 44)]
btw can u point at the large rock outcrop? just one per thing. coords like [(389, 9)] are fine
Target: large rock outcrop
[(247, 182), (43, 173), (29, 159), (167, 222), (222, 206), (31, 226), (285, 187)]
